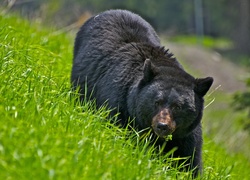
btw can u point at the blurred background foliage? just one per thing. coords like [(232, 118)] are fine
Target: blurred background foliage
[(220, 18), (223, 25)]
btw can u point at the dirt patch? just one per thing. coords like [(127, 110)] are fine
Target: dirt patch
[(203, 62)]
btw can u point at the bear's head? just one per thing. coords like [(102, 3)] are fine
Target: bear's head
[(169, 100)]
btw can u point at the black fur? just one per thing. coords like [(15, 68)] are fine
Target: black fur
[(119, 57)]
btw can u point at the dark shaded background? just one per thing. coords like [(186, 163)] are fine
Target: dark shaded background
[(216, 18)]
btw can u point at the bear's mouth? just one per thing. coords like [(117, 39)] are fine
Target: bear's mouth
[(163, 123), (163, 130)]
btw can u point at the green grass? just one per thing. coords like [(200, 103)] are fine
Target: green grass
[(206, 41), (45, 135), (224, 124)]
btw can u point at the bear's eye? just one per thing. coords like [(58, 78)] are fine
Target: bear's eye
[(158, 103), (176, 107)]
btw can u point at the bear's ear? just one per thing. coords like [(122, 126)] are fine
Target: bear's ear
[(149, 71), (202, 85)]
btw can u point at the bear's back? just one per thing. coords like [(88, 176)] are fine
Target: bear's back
[(111, 30)]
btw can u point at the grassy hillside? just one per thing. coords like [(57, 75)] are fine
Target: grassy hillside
[(45, 135)]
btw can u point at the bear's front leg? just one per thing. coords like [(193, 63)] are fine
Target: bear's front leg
[(189, 147)]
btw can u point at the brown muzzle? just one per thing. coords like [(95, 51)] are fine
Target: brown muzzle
[(163, 124)]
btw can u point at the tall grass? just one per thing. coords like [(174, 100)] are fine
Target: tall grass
[(45, 134)]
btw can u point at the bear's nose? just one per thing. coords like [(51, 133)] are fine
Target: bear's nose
[(163, 128)]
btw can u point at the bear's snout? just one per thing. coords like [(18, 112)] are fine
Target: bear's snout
[(163, 124)]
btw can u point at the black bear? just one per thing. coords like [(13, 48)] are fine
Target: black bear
[(118, 60)]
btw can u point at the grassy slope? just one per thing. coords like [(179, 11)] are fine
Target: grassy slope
[(44, 135)]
